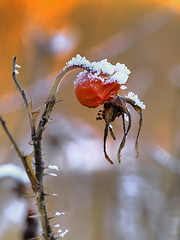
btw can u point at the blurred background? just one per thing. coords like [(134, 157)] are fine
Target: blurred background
[(138, 199)]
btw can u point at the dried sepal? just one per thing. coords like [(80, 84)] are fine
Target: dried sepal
[(105, 138), (125, 135), (116, 108), (29, 169), (139, 111), (33, 115), (111, 132)]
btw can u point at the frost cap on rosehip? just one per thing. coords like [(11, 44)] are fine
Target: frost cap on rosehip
[(118, 72)]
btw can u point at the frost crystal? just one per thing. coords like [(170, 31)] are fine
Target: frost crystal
[(53, 174), (53, 167), (64, 233), (17, 66), (118, 72), (55, 194), (57, 225), (59, 214), (123, 87), (79, 61), (135, 98)]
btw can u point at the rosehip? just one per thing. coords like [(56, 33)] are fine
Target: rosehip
[(93, 89)]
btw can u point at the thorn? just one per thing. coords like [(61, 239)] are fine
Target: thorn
[(60, 100), (30, 143), (46, 194), (49, 218)]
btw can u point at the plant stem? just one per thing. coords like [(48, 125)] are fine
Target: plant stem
[(37, 134), (22, 92), (39, 169), (17, 84), (39, 165), (41, 204), (58, 79), (21, 156)]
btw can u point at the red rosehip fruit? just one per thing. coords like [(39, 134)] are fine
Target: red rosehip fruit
[(93, 89)]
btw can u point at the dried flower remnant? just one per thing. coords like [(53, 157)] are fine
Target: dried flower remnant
[(99, 85)]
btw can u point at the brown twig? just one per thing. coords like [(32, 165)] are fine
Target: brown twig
[(17, 84), (21, 155), (23, 94), (37, 139), (39, 169), (36, 178)]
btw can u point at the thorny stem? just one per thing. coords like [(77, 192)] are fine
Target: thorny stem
[(37, 133), (39, 165), (37, 180), (39, 169), (37, 138)]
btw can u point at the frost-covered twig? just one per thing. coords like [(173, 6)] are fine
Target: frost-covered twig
[(36, 178), (110, 79), (22, 92), (14, 72), (118, 72)]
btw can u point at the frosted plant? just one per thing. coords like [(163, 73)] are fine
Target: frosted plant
[(98, 84)]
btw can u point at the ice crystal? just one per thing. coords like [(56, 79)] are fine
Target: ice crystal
[(64, 233), (59, 213), (118, 72), (53, 174), (57, 225), (123, 87), (17, 66), (53, 167), (135, 98)]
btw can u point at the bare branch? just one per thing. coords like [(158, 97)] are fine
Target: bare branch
[(17, 83), (21, 156)]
